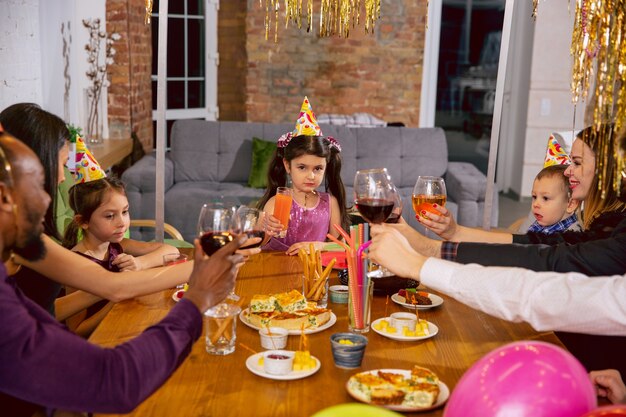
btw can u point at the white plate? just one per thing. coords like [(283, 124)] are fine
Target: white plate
[(444, 393), (432, 330), (243, 316), (398, 299), (176, 292), (252, 363)]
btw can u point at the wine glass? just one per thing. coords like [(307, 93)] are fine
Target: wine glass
[(373, 194), (375, 197), (251, 222), (396, 212), (217, 226), (428, 191)]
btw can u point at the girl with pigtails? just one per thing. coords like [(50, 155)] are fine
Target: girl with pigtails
[(308, 159)]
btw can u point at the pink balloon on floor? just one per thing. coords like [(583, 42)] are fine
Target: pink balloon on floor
[(608, 411), (523, 379)]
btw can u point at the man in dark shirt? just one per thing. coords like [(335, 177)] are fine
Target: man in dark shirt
[(41, 362)]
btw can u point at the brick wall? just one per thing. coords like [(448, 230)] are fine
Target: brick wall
[(231, 74), (130, 94), (378, 74), (260, 80)]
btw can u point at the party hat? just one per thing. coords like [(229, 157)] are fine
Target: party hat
[(307, 123), (85, 167), (555, 154)]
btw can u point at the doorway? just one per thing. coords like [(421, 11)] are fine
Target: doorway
[(469, 49)]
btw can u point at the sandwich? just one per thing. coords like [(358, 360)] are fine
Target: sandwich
[(261, 303), (288, 310), (420, 389), (290, 301)]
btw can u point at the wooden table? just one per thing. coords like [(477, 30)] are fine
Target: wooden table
[(207, 385)]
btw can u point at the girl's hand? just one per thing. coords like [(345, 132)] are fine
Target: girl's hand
[(442, 224), (126, 262), (272, 226), (609, 384), (293, 249)]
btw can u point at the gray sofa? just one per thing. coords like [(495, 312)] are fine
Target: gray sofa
[(211, 161)]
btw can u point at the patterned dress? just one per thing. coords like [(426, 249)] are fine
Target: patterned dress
[(305, 224)]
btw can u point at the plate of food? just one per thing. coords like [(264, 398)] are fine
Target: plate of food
[(340, 263), (411, 298), (418, 389), (424, 330), (288, 310), (309, 366)]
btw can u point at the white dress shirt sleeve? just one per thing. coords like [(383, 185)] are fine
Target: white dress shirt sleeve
[(569, 302)]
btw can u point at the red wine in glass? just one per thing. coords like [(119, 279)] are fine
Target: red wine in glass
[(374, 210), (252, 234), (393, 218), (212, 241)]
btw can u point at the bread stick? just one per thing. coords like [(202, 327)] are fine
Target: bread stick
[(314, 289)]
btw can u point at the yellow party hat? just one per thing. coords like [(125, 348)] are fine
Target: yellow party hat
[(555, 154), (86, 167), (307, 123)]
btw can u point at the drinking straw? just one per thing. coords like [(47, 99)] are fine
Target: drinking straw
[(363, 277), (344, 235), (224, 325), (353, 286), (362, 237), (354, 236), (339, 242)]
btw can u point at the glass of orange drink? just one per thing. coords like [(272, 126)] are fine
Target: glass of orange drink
[(282, 208)]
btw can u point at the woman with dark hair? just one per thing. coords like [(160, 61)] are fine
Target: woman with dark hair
[(47, 135), (41, 280)]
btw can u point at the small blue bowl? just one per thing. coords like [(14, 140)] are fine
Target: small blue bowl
[(348, 356), (338, 294)]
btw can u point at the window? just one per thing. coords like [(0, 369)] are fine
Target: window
[(188, 80)]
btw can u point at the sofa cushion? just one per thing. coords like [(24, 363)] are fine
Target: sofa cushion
[(185, 199), (262, 154)]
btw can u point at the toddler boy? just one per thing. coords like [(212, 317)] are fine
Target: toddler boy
[(553, 207)]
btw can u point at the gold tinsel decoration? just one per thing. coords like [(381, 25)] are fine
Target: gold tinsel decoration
[(148, 12), (599, 59), (336, 17)]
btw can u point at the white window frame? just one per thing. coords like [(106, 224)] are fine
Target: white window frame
[(210, 111)]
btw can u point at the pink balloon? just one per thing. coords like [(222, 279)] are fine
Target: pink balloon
[(523, 379), (608, 411)]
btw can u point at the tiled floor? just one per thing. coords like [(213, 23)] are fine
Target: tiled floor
[(511, 209)]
